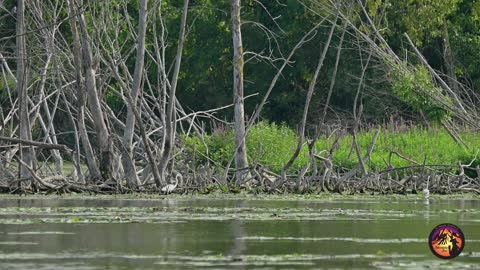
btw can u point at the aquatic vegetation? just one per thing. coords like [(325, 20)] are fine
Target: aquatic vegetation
[(211, 232)]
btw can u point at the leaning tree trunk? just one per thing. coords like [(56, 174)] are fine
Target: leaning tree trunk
[(103, 135), (27, 154), (127, 155), (48, 35), (241, 162), (448, 58), (82, 130), (170, 119), (308, 99)]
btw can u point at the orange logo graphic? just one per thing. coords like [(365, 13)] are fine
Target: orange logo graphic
[(446, 241)]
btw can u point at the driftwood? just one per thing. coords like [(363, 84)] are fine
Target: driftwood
[(47, 146)]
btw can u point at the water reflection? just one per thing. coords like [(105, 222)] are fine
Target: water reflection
[(238, 231), (219, 234)]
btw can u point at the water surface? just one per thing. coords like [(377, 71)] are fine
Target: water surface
[(231, 233)]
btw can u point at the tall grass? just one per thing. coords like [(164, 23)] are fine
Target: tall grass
[(272, 145)]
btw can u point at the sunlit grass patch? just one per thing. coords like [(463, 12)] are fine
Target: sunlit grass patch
[(272, 145)]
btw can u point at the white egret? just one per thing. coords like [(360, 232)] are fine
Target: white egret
[(171, 187), (426, 191)]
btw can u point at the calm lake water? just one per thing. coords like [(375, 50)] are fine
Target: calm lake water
[(229, 233)]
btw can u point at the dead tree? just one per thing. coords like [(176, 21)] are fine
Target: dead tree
[(311, 88), (46, 38), (241, 162), (127, 156), (448, 58), (81, 95), (170, 114), (27, 153), (104, 139)]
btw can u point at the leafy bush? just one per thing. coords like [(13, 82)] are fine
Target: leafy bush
[(272, 145), (416, 89), (275, 145)]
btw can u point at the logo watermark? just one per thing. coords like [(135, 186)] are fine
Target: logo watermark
[(446, 241)]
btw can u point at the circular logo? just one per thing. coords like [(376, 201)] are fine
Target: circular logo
[(446, 241)]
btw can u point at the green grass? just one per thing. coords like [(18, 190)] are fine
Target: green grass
[(68, 166), (417, 144), (273, 145), (269, 144)]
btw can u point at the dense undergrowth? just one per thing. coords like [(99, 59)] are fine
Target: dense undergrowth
[(272, 146)]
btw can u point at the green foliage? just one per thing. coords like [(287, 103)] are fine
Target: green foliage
[(417, 144), (9, 84), (269, 144), (274, 144), (206, 72), (417, 89), (465, 40), (114, 101), (421, 19), (476, 11)]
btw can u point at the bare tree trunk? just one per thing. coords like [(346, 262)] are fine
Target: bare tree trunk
[(311, 88), (334, 77), (241, 162), (103, 135), (170, 119), (48, 35), (127, 155), (27, 153), (448, 58), (77, 172), (87, 147)]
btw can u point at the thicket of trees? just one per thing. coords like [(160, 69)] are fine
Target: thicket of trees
[(112, 84)]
